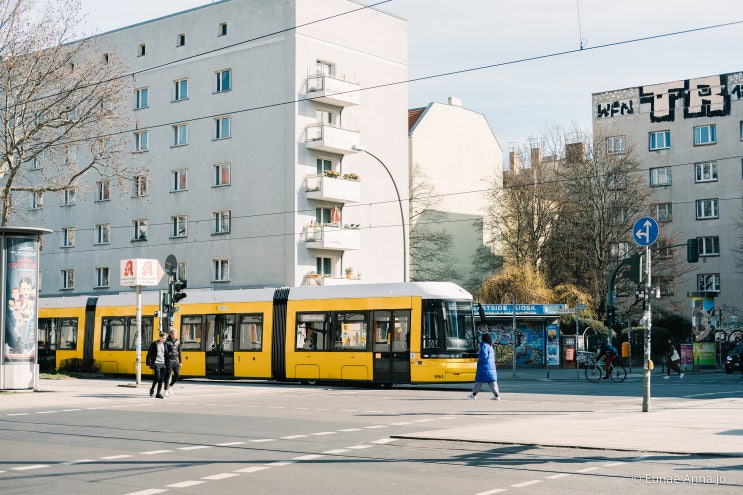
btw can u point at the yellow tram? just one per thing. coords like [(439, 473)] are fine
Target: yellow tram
[(417, 332)]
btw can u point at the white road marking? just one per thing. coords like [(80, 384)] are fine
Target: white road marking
[(382, 441), (259, 440), (28, 468), (307, 457), (229, 444), (351, 429), (46, 412), (319, 433), (220, 476), (112, 457), (402, 423), (151, 491), (336, 451), (153, 452), (18, 414), (375, 426), (612, 464), (526, 483), (359, 447), (292, 437), (196, 447), (585, 470), (559, 475), (491, 492), (185, 484), (281, 463), (79, 461), (251, 469)]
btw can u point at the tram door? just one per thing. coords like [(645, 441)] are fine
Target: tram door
[(391, 333), (220, 345)]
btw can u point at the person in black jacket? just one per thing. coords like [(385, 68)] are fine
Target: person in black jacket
[(156, 359), (174, 361)]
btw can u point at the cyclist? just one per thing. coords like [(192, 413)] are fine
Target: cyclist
[(608, 352)]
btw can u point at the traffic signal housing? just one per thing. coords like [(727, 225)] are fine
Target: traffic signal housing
[(636, 272), (178, 287), (692, 251)]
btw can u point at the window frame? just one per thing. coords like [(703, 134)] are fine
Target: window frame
[(37, 200), (179, 226), (708, 282), (141, 141), (702, 169), (653, 141), (700, 208), (220, 269), (68, 237), (102, 234), (180, 135), (103, 190), (219, 173), (223, 81), (142, 98), (180, 89), (140, 186), (705, 135), (667, 215), (102, 277), (708, 246), (222, 128), (655, 176), (179, 180), (140, 226), (68, 197), (67, 279), (219, 218), (616, 145)]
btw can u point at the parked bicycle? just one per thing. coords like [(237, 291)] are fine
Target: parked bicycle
[(617, 371)]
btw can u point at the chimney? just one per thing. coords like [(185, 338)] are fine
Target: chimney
[(455, 102), (575, 152), (536, 157), (514, 162)]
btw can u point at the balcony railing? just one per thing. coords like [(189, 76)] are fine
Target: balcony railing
[(337, 92), (333, 236), (317, 279), (324, 137), (334, 189)]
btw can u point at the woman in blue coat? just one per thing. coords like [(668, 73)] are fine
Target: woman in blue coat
[(486, 372)]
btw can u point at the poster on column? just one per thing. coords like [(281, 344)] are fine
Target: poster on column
[(553, 345), (20, 306)]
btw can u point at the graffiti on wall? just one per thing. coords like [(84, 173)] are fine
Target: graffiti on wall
[(701, 97)]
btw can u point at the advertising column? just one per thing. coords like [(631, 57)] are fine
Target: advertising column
[(19, 287)]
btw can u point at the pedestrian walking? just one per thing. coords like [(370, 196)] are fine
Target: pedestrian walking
[(156, 358), (175, 360), (672, 360), (486, 372)]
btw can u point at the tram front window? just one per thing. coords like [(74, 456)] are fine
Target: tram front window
[(448, 327)]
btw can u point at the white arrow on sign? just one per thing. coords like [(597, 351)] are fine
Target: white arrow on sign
[(646, 232)]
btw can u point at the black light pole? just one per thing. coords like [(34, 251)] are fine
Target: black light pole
[(402, 214)]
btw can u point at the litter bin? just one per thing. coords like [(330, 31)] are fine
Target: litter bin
[(625, 349)]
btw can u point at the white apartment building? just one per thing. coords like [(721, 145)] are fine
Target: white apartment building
[(248, 128), (688, 136), (459, 155)]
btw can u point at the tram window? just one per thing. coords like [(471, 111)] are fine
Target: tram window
[(191, 332), (313, 331), (220, 332), (251, 332), (401, 334), (67, 336), (112, 333), (147, 329), (351, 331), (460, 326), (432, 323)]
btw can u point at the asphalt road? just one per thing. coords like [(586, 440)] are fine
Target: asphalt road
[(94, 436)]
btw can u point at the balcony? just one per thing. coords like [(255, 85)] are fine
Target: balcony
[(324, 137), (335, 189), (316, 279), (326, 89), (333, 237)]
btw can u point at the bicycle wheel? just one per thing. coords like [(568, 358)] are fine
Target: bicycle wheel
[(618, 374), (594, 373)]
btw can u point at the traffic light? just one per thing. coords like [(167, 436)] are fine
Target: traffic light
[(178, 294), (611, 313), (692, 251), (165, 302), (635, 272)]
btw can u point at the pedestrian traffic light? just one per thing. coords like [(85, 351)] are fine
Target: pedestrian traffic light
[(165, 302), (178, 294), (692, 251), (635, 272), (611, 313)]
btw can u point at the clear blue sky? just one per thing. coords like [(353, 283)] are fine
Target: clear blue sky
[(519, 98)]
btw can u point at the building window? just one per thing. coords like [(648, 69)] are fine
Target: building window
[(324, 68), (103, 190), (324, 165), (68, 236), (705, 134), (68, 197), (660, 140), (140, 186), (180, 90), (324, 117), (221, 222), (101, 277), (662, 249), (142, 50), (224, 80), (141, 98), (620, 250), (221, 270), (222, 175), (664, 212), (181, 40), (324, 216), (106, 58), (708, 282), (222, 130), (709, 246), (705, 172), (180, 272), (616, 181), (140, 230), (37, 201), (707, 208), (180, 180), (37, 162), (222, 29), (324, 266), (180, 135), (102, 233), (616, 145), (660, 176), (179, 224), (67, 279), (741, 130), (141, 141)]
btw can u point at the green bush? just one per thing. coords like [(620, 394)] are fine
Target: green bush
[(77, 365)]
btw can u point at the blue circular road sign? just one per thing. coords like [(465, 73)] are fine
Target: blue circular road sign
[(645, 231)]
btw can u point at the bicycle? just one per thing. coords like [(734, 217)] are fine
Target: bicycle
[(617, 371)]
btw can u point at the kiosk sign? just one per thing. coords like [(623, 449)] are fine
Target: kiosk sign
[(140, 272)]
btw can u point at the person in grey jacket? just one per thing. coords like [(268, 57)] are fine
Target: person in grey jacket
[(156, 359), (175, 360), (486, 372)]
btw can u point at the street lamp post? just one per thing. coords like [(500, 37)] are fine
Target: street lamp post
[(402, 214)]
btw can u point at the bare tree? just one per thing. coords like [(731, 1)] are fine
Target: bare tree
[(61, 105), (430, 244)]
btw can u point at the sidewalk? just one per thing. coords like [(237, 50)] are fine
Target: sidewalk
[(702, 427)]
